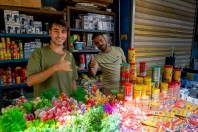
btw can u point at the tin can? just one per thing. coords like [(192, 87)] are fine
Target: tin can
[(168, 70), (142, 68), (82, 60), (177, 75), (131, 55), (124, 72), (156, 73), (137, 93), (128, 91), (132, 72)]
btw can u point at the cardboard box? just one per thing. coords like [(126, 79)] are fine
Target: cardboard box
[(22, 3)]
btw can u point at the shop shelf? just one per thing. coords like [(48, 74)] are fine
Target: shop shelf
[(90, 31), (13, 61), (24, 35), (13, 86)]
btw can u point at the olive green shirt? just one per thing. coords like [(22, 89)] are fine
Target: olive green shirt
[(44, 57), (110, 65)]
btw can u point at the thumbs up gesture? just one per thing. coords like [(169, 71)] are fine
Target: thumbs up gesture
[(92, 62), (63, 65)]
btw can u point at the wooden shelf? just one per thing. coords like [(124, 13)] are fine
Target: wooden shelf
[(90, 31), (79, 9), (24, 35), (32, 11)]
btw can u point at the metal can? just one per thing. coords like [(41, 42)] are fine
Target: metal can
[(156, 73), (131, 55), (177, 75), (124, 72), (168, 70), (82, 60), (128, 91), (132, 72), (142, 68)]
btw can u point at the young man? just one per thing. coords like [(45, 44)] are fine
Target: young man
[(109, 59), (52, 66)]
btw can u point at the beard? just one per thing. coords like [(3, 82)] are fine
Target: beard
[(102, 48)]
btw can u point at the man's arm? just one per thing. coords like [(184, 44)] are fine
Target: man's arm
[(40, 77)]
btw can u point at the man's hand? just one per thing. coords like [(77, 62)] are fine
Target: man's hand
[(92, 62), (63, 65)]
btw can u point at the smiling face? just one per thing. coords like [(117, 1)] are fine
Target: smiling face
[(100, 42), (58, 34)]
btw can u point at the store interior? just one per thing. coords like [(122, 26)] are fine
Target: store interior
[(157, 63)]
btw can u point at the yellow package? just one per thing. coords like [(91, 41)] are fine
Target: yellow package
[(149, 121), (183, 113), (161, 113), (148, 129)]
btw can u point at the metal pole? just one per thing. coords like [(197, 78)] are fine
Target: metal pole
[(132, 23)]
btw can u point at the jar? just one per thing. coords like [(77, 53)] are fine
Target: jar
[(124, 72), (155, 94), (128, 91), (148, 91), (131, 55), (177, 75), (144, 89), (168, 70), (156, 73), (137, 93), (139, 80), (164, 88), (142, 68), (147, 80)]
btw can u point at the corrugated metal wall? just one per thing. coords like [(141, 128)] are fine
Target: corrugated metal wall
[(160, 26)]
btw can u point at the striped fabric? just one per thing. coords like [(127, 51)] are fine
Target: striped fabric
[(163, 25)]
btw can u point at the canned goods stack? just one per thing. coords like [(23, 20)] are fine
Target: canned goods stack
[(10, 50), (131, 60), (9, 76)]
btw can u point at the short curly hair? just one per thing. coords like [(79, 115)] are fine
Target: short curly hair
[(59, 22), (97, 34)]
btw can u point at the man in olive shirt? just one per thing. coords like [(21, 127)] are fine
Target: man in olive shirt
[(52, 66), (109, 59)]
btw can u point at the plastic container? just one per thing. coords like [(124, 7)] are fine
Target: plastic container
[(78, 45), (164, 88), (147, 80)]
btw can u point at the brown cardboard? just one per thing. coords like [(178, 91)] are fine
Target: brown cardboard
[(22, 3)]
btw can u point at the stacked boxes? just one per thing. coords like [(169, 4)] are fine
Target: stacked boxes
[(30, 47), (92, 21), (12, 24), (21, 23)]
